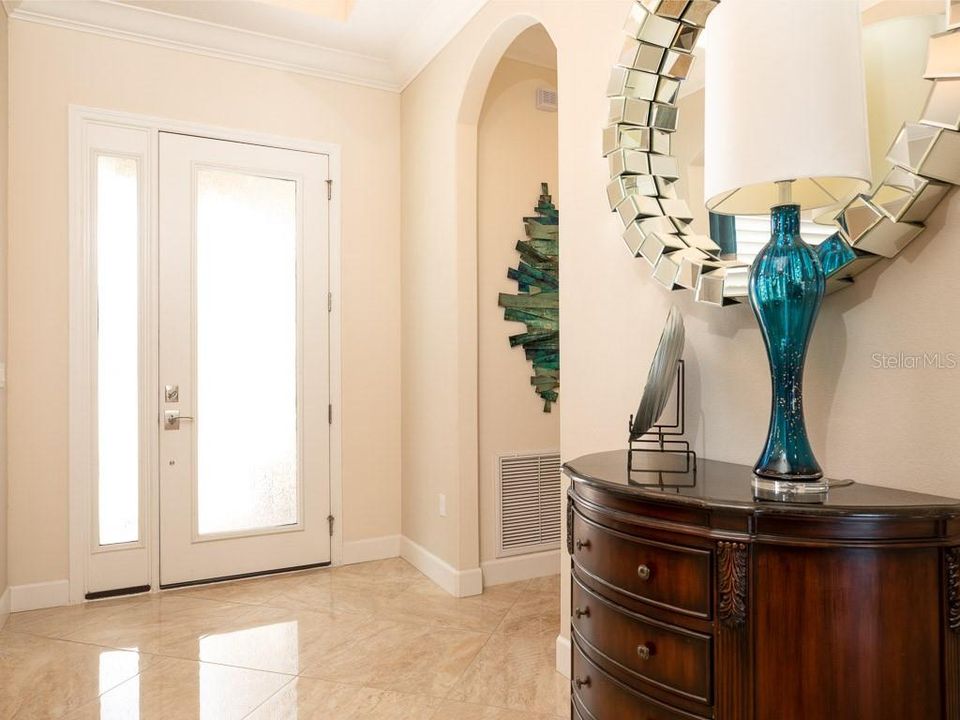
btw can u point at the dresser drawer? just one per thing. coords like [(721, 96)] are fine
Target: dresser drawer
[(604, 698), (672, 658), (669, 576)]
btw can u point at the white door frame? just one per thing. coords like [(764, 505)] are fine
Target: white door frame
[(81, 325)]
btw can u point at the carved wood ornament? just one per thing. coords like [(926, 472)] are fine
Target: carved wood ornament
[(570, 527), (953, 589), (732, 558)]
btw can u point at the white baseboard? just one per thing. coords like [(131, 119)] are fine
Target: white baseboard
[(459, 583), (563, 656), (378, 548), (4, 607), (520, 567), (39, 595)]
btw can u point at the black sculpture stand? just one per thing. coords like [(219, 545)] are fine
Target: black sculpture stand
[(664, 440)]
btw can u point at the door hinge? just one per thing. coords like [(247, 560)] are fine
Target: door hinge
[(329, 302), (329, 189), (330, 520), (330, 414)]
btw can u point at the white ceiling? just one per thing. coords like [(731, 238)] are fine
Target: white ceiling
[(381, 43)]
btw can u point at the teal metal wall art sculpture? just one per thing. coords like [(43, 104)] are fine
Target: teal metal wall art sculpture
[(538, 302)]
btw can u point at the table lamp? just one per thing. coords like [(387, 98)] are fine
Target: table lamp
[(786, 131)]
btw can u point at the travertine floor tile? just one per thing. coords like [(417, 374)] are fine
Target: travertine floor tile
[(431, 605), (286, 641), (407, 658), (306, 698), (535, 613), (465, 711), (376, 641), (44, 678), (253, 591), (546, 584), (391, 570), (168, 625), (516, 673), (341, 593), (173, 689), (59, 621)]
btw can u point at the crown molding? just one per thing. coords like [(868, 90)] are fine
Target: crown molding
[(147, 26)]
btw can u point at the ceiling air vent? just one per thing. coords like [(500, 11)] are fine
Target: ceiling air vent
[(528, 503), (546, 100)]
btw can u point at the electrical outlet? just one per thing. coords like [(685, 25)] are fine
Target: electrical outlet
[(443, 505)]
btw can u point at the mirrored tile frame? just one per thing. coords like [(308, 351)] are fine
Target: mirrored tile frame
[(644, 86)]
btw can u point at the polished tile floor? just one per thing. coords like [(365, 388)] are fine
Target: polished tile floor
[(375, 641)]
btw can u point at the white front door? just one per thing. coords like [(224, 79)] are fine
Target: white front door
[(244, 361)]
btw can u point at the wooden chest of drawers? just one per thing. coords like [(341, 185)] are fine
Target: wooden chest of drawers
[(692, 601)]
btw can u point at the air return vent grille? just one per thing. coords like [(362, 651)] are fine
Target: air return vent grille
[(546, 100), (529, 503)]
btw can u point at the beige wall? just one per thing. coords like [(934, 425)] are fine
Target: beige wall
[(890, 427), (894, 58), (4, 67), (439, 285), (517, 150), (51, 68), (841, 376), (688, 142)]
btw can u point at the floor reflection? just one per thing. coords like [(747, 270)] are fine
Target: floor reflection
[(375, 641), (273, 647), (116, 666)]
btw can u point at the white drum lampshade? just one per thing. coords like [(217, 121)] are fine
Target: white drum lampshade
[(785, 100)]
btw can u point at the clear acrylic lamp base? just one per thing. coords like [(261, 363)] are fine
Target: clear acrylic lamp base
[(795, 491)]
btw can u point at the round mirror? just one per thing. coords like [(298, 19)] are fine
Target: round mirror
[(656, 135)]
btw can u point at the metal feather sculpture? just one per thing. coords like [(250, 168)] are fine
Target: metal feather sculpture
[(537, 303)]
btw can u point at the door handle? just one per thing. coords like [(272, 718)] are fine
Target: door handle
[(172, 418)]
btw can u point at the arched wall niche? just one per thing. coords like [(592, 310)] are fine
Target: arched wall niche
[(517, 150), (466, 148)]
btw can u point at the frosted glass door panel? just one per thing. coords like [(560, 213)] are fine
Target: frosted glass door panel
[(244, 337), (246, 340), (118, 380)]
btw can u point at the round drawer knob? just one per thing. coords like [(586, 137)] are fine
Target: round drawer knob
[(645, 651), (582, 612), (582, 683), (581, 544), (644, 572)]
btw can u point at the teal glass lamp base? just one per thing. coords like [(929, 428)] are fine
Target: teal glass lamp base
[(786, 286)]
